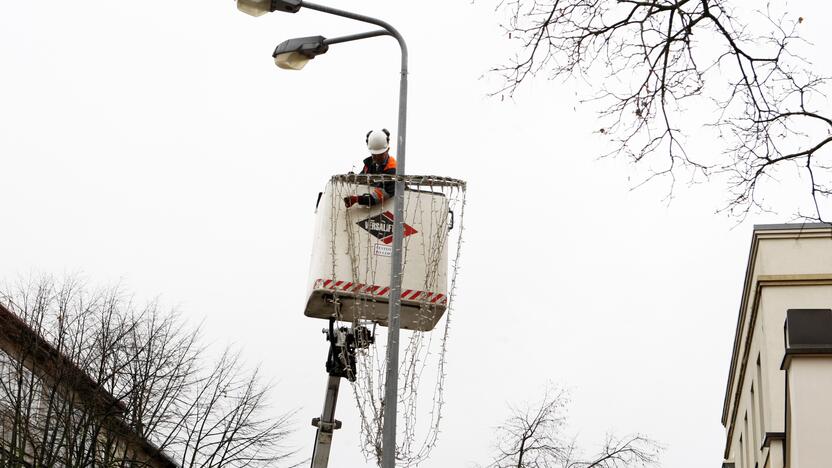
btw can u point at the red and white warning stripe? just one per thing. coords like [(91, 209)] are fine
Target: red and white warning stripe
[(380, 291)]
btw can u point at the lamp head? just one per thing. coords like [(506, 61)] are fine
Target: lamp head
[(294, 54), (261, 7)]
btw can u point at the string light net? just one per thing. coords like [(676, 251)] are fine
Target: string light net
[(350, 279)]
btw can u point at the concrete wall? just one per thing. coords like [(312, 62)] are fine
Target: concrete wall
[(788, 269), (809, 432)]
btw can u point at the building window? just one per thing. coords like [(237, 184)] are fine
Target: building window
[(741, 463), (761, 407), (748, 443), (754, 423)]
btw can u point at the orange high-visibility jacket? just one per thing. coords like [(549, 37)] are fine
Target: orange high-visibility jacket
[(381, 190)]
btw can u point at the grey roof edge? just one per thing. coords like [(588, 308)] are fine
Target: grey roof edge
[(738, 328), (791, 226)]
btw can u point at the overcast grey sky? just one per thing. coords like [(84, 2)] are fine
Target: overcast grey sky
[(155, 144)]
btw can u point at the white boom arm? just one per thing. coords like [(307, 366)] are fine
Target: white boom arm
[(326, 424)]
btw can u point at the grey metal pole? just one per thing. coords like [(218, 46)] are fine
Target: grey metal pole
[(391, 389), (391, 393), (326, 424)]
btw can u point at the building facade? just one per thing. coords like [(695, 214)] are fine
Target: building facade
[(54, 414), (777, 410)]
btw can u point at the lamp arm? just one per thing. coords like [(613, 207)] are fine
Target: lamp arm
[(366, 19), (357, 37)]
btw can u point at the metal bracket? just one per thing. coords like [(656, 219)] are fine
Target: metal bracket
[(326, 426)]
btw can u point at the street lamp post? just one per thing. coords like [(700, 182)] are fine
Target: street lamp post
[(294, 55)]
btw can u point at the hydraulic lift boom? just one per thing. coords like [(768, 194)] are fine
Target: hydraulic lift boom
[(340, 363), (326, 424)]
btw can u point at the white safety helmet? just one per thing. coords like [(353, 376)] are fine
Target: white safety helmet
[(378, 141)]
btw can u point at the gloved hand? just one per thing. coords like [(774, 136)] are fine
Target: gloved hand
[(350, 200)]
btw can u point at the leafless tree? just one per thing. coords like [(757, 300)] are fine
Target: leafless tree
[(533, 437), (651, 62), (87, 378)]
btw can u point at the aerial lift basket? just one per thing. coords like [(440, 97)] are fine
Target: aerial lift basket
[(349, 276)]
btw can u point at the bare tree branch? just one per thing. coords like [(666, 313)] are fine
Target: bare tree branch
[(91, 379), (533, 437), (651, 60)]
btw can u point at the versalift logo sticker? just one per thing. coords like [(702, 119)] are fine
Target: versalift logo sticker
[(380, 226)]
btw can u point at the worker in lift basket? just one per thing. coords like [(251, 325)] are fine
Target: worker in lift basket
[(380, 162)]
